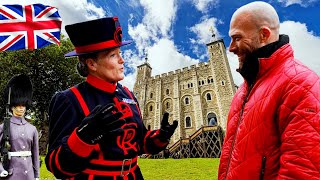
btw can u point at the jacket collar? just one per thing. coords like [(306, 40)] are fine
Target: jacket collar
[(18, 120), (101, 84), (259, 61)]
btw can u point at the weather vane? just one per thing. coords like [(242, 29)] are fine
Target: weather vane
[(213, 33), (146, 56)]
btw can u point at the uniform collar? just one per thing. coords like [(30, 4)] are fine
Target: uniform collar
[(18, 120), (101, 84)]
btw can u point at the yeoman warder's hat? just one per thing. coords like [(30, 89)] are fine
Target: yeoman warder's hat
[(94, 36), (21, 91)]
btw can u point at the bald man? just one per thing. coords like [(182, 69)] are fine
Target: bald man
[(273, 129)]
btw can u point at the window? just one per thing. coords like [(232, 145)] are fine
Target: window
[(150, 108), (167, 91), (208, 81), (212, 119), (151, 95), (191, 85), (211, 80), (188, 122), (199, 83), (168, 105), (188, 85), (202, 82), (186, 100), (208, 96), (222, 83)]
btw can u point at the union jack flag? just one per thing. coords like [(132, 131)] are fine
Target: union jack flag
[(28, 27)]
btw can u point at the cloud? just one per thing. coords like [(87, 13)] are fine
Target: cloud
[(204, 5), (304, 43), (154, 36), (203, 32), (234, 64), (303, 3)]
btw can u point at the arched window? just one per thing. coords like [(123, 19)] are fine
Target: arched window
[(191, 85), (199, 83), (208, 96), (168, 105), (222, 83), (151, 95), (202, 82), (186, 100), (167, 91), (150, 108), (188, 85), (212, 119), (211, 80), (208, 81), (188, 122)]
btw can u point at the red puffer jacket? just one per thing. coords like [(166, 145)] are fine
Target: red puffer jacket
[(273, 129)]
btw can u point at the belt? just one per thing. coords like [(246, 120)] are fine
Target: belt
[(19, 154), (112, 167)]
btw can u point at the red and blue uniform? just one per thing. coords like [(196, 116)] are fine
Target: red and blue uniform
[(113, 157)]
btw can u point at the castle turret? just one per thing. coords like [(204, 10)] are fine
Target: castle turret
[(140, 86), (223, 81)]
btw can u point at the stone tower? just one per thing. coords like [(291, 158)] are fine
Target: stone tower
[(196, 96)]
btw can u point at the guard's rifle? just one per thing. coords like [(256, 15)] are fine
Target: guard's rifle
[(5, 142)]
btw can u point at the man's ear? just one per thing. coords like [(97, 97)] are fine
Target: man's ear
[(91, 64), (265, 33)]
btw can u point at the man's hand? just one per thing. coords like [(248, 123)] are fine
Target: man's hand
[(102, 121), (166, 130)]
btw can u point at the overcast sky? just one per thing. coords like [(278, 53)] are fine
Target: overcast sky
[(174, 33)]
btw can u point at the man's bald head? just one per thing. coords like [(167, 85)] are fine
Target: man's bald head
[(259, 14)]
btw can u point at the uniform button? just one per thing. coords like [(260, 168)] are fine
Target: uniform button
[(24, 158), (23, 147), (22, 134), (26, 172)]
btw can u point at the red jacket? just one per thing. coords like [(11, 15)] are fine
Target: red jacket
[(273, 129)]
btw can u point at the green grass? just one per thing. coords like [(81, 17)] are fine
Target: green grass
[(171, 169)]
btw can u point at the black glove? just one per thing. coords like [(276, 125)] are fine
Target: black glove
[(166, 130), (102, 121)]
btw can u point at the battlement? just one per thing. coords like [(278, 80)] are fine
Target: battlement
[(187, 69)]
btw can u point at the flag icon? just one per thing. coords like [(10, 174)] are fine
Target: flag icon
[(28, 27)]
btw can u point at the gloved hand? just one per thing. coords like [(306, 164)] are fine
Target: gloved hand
[(4, 173), (166, 130), (102, 121)]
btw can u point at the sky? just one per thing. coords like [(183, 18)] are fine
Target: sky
[(174, 33)]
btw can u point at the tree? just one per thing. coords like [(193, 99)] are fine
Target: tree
[(49, 71)]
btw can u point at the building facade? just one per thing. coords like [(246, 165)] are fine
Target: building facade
[(196, 96)]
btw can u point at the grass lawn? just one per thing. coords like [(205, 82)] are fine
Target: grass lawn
[(171, 169)]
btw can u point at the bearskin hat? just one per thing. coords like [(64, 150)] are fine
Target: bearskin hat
[(21, 91)]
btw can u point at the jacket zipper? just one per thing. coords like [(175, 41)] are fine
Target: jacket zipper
[(263, 167), (235, 135)]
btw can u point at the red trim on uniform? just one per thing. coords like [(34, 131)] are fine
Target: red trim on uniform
[(101, 84), (97, 46), (50, 161), (130, 94), (90, 177), (125, 178), (134, 176), (160, 143), (155, 133), (83, 104), (145, 142), (112, 163), (109, 173), (79, 147), (59, 167), (157, 141)]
